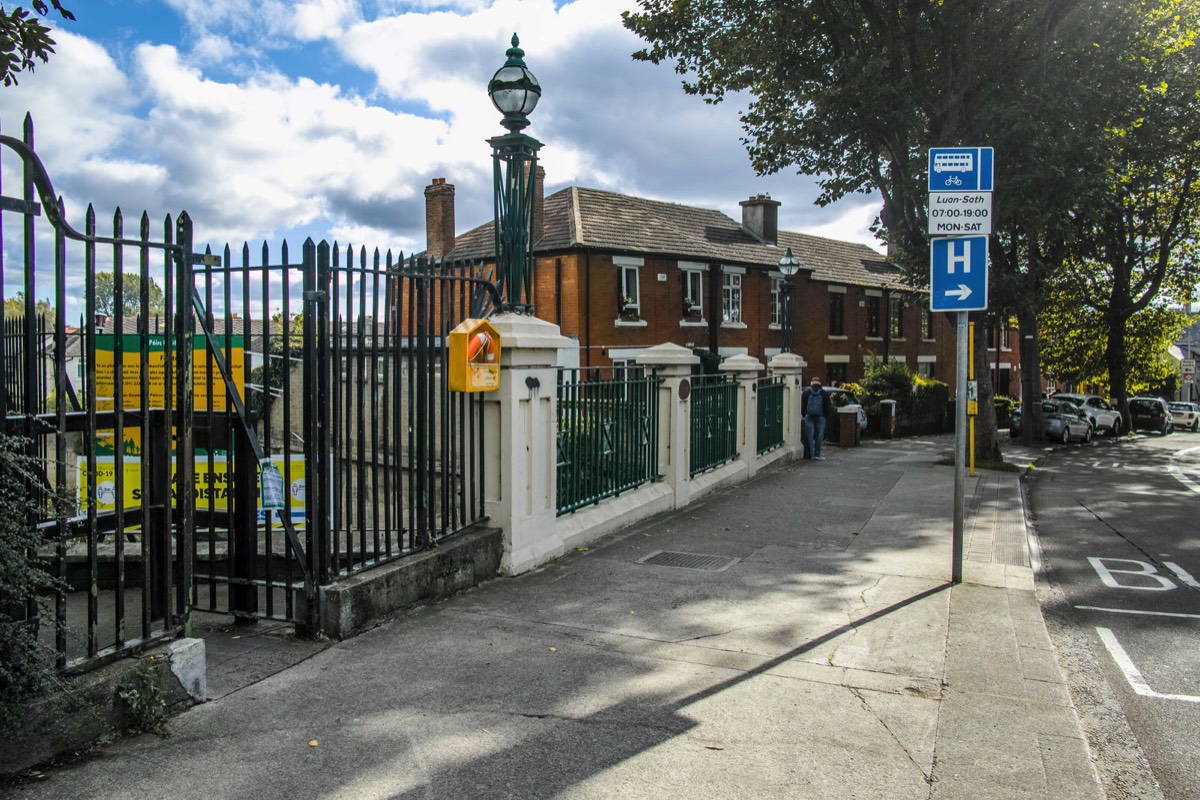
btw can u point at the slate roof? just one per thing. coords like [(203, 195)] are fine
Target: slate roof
[(577, 217)]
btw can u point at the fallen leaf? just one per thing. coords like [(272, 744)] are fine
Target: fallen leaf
[(712, 747), (632, 612), (553, 649), (313, 743), (582, 549)]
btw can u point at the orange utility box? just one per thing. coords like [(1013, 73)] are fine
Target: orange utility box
[(474, 357)]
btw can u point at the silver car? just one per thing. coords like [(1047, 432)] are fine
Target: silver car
[(1102, 415)]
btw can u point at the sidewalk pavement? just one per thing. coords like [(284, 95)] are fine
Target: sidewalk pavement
[(819, 651)]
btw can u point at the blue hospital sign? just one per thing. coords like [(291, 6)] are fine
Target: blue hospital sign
[(960, 169), (958, 277)]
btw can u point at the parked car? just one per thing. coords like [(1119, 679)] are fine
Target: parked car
[(844, 398), (1103, 416), (1150, 414), (1185, 415), (1063, 420)]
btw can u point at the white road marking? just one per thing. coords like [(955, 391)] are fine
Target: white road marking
[(1139, 613), (1133, 674), (1177, 472)]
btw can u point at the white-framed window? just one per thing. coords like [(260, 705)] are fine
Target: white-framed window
[(731, 296), (629, 295), (692, 289), (927, 366)]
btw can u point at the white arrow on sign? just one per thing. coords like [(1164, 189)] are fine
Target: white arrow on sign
[(962, 292)]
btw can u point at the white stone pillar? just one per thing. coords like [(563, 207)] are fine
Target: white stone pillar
[(519, 442), (790, 367), (745, 370), (674, 365)]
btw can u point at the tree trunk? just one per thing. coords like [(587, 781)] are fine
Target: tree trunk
[(1031, 378), (1118, 366)]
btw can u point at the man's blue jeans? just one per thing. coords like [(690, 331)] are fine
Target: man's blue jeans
[(814, 431)]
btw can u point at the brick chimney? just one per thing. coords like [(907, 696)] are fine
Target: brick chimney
[(539, 207), (439, 219), (760, 217)]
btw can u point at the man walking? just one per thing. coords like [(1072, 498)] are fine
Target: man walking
[(817, 408)]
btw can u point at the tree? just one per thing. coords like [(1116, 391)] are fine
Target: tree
[(131, 295), (1075, 340), (15, 307), (1139, 239), (857, 91), (23, 38)]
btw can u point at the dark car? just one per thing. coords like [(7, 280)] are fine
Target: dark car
[(1150, 414)]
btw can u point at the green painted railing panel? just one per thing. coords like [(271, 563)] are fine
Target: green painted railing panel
[(607, 440), (770, 414), (714, 422)]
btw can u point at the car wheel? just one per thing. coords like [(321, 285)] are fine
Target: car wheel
[(1167, 429), (1115, 430), (1066, 434), (1195, 424), (1087, 434)]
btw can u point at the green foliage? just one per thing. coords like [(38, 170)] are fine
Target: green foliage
[(1073, 345), (145, 703), (275, 374), (131, 295), (15, 307), (916, 397), (23, 38), (26, 667)]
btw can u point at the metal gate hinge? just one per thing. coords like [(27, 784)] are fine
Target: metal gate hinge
[(316, 295)]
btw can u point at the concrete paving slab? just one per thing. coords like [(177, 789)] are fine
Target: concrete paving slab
[(832, 660)]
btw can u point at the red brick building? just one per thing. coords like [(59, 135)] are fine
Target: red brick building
[(621, 274)]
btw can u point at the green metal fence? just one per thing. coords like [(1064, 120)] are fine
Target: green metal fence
[(607, 435), (714, 421), (770, 414)]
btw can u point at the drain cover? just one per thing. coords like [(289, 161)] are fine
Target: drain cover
[(666, 558)]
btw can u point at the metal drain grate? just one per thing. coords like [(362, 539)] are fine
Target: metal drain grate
[(666, 558)]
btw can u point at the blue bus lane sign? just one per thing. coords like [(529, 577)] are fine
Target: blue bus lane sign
[(958, 277), (960, 169)]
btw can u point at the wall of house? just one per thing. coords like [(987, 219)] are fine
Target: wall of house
[(580, 293)]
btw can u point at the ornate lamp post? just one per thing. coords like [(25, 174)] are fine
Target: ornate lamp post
[(515, 93), (789, 265)]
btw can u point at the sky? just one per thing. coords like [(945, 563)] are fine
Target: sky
[(270, 121)]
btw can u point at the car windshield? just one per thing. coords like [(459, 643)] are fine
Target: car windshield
[(1144, 404), (1181, 406)]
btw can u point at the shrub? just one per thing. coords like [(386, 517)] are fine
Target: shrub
[(26, 666)]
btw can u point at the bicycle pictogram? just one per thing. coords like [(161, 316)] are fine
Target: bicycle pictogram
[(953, 180)]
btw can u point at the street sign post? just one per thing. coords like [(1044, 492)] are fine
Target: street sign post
[(958, 274), (960, 202)]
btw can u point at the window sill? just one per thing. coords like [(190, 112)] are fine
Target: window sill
[(929, 341), (874, 338), (837, 337), (630, 323), (899, 339), (693, 323), (774, 326), (737, 326)]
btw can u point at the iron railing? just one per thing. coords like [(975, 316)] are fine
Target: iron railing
[(607, 435), (103, 438), (714, 422), (770, 414), (301, 404)]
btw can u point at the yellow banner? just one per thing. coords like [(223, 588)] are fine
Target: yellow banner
[(208, 394), (212, 487)]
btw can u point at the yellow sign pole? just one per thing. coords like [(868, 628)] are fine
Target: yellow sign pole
[(970, 379)]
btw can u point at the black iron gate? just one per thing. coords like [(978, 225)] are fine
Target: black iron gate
[(304, 402)]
